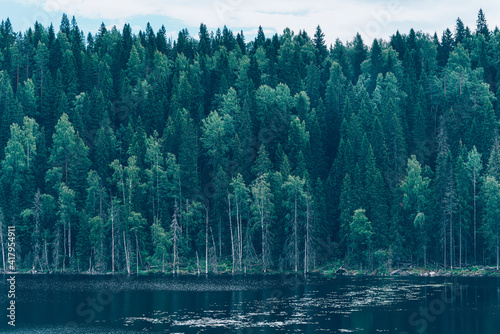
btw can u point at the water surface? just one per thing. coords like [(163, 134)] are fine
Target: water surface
[(253, 304)]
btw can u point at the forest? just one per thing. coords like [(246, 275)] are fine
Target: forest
[(126, 152)]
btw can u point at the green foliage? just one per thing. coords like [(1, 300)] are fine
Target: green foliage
[(132, 150)]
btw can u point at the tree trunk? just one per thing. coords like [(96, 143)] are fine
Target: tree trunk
[(198, 263), (46, 253), (239, 236), (306, 246), (295, 228), (451, 238), (137, 251), (206, 240), (69, 238), (261, 209), (460, 246), (112, 238), (231, 228), (127, 255), (215, 249), (2, 243), (444, 241), (474, 185), (64, 244)]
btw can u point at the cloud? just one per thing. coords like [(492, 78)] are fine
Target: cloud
[(372, 19)]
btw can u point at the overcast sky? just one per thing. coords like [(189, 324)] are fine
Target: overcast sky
[(338, 19)]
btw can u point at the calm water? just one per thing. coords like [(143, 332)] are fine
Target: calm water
[(253, 304)]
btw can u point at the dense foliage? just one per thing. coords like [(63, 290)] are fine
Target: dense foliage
[(125, 152)]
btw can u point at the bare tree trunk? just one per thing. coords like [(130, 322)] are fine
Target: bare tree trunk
[(295, 228), (175, 249), (198, 263), (215, 249), (264, 264), (451, 239), (460, 246), (475, 244), (444, 241), (425, 255), (220, 237), (112, 237), (1, 240), (206, 239), (127, 255), (305, 256), (69, 239), (240, 233), (306, 241), (137, 253), (231, 228), (64, 243), (46, 252), (498, 252)]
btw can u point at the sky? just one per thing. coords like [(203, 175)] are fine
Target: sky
[(338, 19)]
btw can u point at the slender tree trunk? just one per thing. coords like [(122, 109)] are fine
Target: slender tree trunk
[(215, 249), (466, 252), (46, 253), (425, 256), (1, 241), (306, 244), (198, 263), (206, 240), (475, 244), (112, 238), (231, 228), (69, 238), (64, 243), (295, 228), (444, 241), (137, 253), (127, 255), (261, 212), (460, 240), (240, 233), (305, 256), (220, 237), (451, 238)]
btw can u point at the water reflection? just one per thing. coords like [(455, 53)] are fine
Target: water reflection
[(260, 304)]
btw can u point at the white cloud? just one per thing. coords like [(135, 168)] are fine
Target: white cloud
[(373, 19)]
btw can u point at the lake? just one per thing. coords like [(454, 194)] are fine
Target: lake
[(253, 304)]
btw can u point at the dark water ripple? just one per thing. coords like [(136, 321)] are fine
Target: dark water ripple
[(254, 304)]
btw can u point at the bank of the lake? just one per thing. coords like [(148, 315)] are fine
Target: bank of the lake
[(470, 271)]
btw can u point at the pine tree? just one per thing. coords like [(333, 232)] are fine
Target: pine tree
[(481, 25)]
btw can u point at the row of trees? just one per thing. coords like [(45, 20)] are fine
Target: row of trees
[(125, 152)]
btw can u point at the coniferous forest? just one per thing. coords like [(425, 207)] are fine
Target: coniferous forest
[(210, 153)]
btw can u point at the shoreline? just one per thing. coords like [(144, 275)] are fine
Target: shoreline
[(475, 271)]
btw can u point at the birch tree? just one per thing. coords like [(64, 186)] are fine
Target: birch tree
[(263, 208), (474, 166)]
